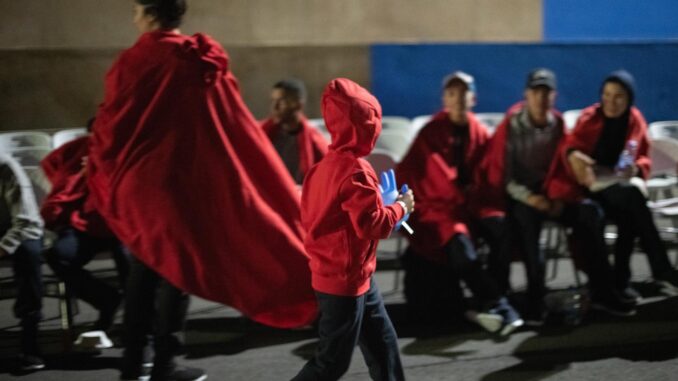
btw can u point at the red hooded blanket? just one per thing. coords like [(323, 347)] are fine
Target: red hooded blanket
[(188, 181)]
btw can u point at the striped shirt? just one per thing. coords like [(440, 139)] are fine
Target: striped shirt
[(19, 214)]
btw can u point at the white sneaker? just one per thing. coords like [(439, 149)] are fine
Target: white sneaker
[(93, 340), (489, 321)]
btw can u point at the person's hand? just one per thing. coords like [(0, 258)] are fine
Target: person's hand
[(539, 202), (582, 166), (408, 199), (628, 172), (388, 187), (556, 208)]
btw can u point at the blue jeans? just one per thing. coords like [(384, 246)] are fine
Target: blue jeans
[(346, 321)]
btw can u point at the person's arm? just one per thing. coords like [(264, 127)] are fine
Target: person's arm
[(362, 201), (23, 225)]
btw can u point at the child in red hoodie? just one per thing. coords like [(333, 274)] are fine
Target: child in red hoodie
[(344, 215)]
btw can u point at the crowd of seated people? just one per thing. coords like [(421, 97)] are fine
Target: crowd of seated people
[(473, 188)]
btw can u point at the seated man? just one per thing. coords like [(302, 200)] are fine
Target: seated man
[(296, 141), (594, 150), (21, 241), (520, 168), (81, 232), (441, 168)]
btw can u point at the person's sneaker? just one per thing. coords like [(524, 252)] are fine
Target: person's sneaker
[(490, 321), (613, 305), (629, 295), (668, 283), (31, 362), (182, 374), (138, 375), (511, 320)]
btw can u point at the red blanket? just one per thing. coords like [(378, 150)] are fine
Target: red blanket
[(188, 181)]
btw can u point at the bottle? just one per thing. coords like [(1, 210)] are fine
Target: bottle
[(627, 157)]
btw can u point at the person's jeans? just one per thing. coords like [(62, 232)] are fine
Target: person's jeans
[(346, 321), (26, 263), (627, 207), (153, 308)]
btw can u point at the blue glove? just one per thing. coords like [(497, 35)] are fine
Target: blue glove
[(404, 189), (388, 187)]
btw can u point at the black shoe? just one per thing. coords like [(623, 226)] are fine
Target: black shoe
[(629, 295), (31, 362), (181, 374), (613, 305), (143, 374)]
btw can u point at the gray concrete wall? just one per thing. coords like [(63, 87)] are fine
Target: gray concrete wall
[(54, 53)]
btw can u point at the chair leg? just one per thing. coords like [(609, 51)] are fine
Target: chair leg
[(66, 314)]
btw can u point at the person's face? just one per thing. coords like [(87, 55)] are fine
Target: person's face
[(284, 107), (457, 99), (615, 100), (143, 21), (539, 101)]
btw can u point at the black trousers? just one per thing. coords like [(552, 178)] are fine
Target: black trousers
[(465, 264), (587, 221), (26, 263), (72, 251), (155, 311), (627, 207), (346, 321)]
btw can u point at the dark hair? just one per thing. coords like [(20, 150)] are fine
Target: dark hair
[(168, 12), (294, 87)]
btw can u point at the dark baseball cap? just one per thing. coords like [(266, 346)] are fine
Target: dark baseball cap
[(541, 77), (462, 77)]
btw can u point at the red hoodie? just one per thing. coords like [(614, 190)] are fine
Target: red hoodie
[(341, 207), (311, 143), (186, 179), (584, 138), (443, 208)]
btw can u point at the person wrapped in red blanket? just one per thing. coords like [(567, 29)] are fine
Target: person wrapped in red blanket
[(441, 167), (345, 216), (298, 143), (188, 181)]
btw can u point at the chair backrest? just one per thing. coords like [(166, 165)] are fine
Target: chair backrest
[(65, 136), (395, 142), (570, 117), (400, 123), (28, 156), (663, 129), (664, 155), (9, 141), (381, 160), (419, 122), (490, 119), (41, 185)]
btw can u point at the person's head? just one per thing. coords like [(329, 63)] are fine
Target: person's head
[(150, 15), (287, 100), (540, 94), (617, 93), (459, 95)]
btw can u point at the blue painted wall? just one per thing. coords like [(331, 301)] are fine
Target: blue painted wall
[(406, 78), (570, 20)]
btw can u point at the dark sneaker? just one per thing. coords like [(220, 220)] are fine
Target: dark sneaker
[(490, 321), (31, 362), (613, 305), (629, 295), (668, 283), (138, 375), (182, 374), (510, 318)]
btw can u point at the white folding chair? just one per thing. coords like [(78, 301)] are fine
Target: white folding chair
[(663, 129), (664, 155), (9, 141), (65, 136), (395, 142), (490, 119), (419, 122), (29, 156), (570, 117), (399, 123)]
